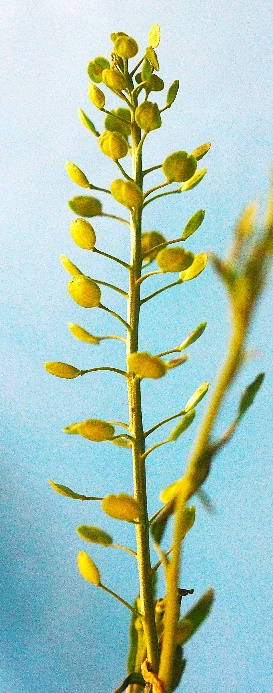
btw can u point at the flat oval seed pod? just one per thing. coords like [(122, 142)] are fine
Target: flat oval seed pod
[(88, 568), (62, 370), (84, 291)]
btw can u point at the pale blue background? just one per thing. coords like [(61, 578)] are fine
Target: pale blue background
[(60, 634)]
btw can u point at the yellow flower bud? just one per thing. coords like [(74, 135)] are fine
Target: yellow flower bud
[(126, 192), (82, 334), (84, 291), (113, 144), (179, 167), (62, 370), (96, 96), (147, 116), (88, 568), (145, 365), (77, 175), (174, 259), (69, 266), (114, 79), (83, 234), (125, 46), (85, 206), (96, 430), (96, 67), (114, 123), (149, 239), (121, 507)]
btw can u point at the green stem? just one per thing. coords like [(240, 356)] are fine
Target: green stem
[(113, 216), (156, 445), (112, 257), (113, 336), (120, 599), (148, 274), (153, 168), (161, 245), (171, 192), (159, 291), (116, 315), (123, 171), (112, 286), (105, 368), (124, 548), (157, 187), (174, 416)]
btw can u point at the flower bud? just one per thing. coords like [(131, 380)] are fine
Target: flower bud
[(113, 144), (77, 175), (62, 370), (147, 116), (82, 334), (174, 259), (69, 266), (179, 167), (149, 239), (96, 67), (126, 192), (88, 568), (114, 123), (121, 507), (145, 365), (83, 234), (114, 79), (96, 430), (125, 46), (96, 96), (84, 291), (85, 206)]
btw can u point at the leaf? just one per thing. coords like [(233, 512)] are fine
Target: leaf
[(88, 568), (197, 396), (132, 652), (146, 71), (195, 269), (199, 152), (193, 336), (194, 180), (159, 525), (66, 491), (154, 36), (182, 426), (249, 395), (94, 535), (195, 616), (87, 122), (178, 668), (152, 57), (172, 92), (193, 224)]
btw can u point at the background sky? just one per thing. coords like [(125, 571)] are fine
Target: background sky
[(61, 634)]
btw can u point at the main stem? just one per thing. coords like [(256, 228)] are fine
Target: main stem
[(135, 417)]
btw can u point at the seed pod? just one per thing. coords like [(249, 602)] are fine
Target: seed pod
[(149, 239), (113, 121), (193, 181), (126, 192), (69, 266), (113, 144), (174, 259), (94, 534), (83, 233), (84, 291), (179, 166), (199, 152), (121, 507), (196, 268), (96, 67), (114, 79), (85, 206), (87, 122), (154, 35), (125, 46), (62, 370), (82, 334), (77, 175), (96, 430), (145, 365), (96, 96), (155, 83), (88, 568), (147, 116)]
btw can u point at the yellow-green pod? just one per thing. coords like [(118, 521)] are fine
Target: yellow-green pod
[(77, 175), (119, 121), (84, 291), (174, 259), (82, 334), (85, 206), (114, 79), (95, 68), (88, 568), (149, 239), (196, 268), (69, 266), (83, 234), (126, 192), (179, 167), (62, 370), (126, 47), (121, 507), (147, 116), (96, 430), (144, 365), (96, 96), (113, 144), (170, 491)]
